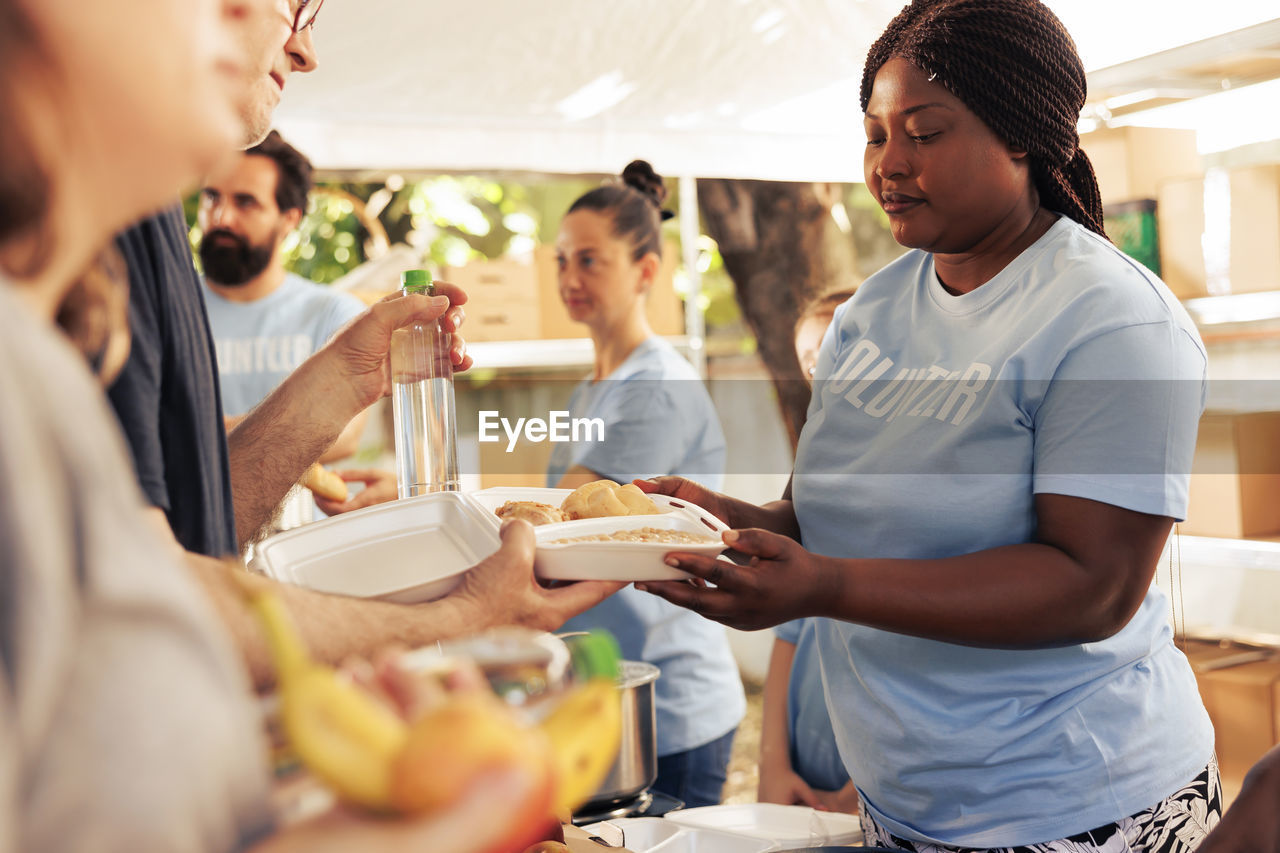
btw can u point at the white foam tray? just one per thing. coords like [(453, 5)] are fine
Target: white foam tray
[(784, 827), (616, 561), (612, 561), (655, 835), (417, 549), (408, 551)]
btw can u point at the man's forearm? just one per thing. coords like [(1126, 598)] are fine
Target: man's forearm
[(276, 442), (333, 627), (348, 441)]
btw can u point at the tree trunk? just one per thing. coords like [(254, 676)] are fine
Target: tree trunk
[(782, 250)]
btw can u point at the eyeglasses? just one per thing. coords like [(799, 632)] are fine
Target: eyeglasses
[(306, 16)]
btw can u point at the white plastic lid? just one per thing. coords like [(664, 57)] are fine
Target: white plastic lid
[(787, 826)]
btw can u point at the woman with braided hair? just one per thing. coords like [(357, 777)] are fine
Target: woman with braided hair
[(998, 445)]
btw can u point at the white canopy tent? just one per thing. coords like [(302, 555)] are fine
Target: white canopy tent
[(709, 88), (764, 89)]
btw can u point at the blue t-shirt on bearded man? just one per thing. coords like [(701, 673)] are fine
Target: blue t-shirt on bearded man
[(260, 343)]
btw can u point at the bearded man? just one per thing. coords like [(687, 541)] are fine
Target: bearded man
[(265, 321)]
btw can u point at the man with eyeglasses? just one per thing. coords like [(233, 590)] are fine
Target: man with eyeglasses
[(292, 27), (213, 493)]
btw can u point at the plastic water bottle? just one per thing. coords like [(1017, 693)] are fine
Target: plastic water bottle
[(422, 401)]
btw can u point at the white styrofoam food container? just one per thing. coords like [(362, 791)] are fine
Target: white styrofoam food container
[(617, 561), (493, 498), (655, 835), (784, 826), (408, 551), (613, 561)]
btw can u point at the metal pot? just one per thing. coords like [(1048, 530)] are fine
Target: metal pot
[(637, 766)]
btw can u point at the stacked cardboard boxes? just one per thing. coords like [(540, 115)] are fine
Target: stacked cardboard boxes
[(1240, 686), (511, 300), (1248, 228), (1235, 479), (502, 299)]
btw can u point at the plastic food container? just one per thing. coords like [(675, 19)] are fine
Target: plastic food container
[(785, 827), (619, 561), (613, 561), (408, 551), (656, 835), (523, 666)]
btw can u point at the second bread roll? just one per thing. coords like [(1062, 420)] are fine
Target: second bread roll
[(323, 482), (606, 499)]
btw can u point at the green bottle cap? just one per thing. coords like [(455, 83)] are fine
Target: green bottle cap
[(417, 281)]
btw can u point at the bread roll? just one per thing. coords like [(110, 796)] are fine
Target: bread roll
[(531, 511), (575, 505), (636, 501), (607, 499), (323, 482)]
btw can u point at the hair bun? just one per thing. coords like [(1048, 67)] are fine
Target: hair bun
[(639, 175)]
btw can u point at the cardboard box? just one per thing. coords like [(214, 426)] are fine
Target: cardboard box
[(1132, 162), (512, 321), (1180, 220), (1235, 479), (525, 465), (665, 309), (1253, 226), (502, 299), (1242, 697), (1255, 229)]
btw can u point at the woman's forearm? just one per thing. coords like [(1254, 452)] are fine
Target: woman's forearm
[(776, 516), (1016, 596)]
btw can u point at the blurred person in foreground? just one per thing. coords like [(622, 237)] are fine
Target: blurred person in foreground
[(126, 721), (266, 321), (210, 495)]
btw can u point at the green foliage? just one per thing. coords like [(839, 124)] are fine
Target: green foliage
[(718, 300), (455, 219), (329, 243)]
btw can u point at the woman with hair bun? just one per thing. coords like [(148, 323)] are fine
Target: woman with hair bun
[(659, 420), (998, 444)]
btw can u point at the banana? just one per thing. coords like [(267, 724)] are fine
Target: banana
[(344, 736), (371, 757), (585, 730)]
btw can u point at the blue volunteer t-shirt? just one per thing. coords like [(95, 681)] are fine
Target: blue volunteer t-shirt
[(659, 419), (935, 421), (815, 756), (260, 343)]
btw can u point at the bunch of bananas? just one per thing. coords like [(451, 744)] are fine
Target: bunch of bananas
[(372, 757)]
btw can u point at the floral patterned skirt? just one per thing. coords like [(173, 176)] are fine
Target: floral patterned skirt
[(1175, 825)]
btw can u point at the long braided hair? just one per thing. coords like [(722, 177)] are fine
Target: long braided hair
[(1014, 64)]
